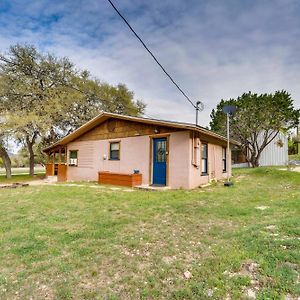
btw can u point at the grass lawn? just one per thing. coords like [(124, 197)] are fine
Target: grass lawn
[(15, 171), (84, 242), (20, 178), (294, 157)]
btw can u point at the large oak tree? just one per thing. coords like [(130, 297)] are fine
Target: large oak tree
[(43, 97)]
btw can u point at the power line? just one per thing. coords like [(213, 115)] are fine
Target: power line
[(155, 59)]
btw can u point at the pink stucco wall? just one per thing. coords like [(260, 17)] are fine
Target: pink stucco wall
[(215, 167), (134, 154), (179, 160)]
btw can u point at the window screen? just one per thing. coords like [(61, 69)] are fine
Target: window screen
[(224, 159), (114, 151), (204, 154)]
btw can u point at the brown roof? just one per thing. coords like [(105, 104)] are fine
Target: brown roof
[(105, 116)]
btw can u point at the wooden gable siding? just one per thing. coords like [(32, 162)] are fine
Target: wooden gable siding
[(114, 128), (204, 138)]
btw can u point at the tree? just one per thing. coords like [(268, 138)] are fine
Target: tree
[(5, 159), (88, 97), (293, 143), (43, 97), (4, 156), (257, 121), (30, 88)]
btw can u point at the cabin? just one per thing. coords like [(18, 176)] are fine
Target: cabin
[(135, 151)]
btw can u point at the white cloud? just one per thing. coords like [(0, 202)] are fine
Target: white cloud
[(213, 49)]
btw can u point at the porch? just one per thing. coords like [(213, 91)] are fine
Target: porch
[(56, 165)]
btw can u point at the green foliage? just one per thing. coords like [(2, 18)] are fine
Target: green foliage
[(21, 159), (294, 144), (257, 116), (43, 97), (88, 97), (31, 86)]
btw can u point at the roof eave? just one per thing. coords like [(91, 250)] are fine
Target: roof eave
[(105, 115)]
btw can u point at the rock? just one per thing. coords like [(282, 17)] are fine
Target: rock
[(227, 297), (187, 274), (210, 293), (167, 259), (248, 268), (254, 282), (252, 267), (229, 274), (262, 207), (250, 294), (271, 227)]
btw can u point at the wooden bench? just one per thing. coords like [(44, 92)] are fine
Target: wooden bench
[(119, 179)]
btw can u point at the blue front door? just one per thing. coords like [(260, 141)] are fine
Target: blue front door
[(159, 161)]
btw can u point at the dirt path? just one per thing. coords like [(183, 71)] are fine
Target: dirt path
[(45, 182)]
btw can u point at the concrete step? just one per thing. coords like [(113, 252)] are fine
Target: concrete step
[(50, 179), (148, 187)]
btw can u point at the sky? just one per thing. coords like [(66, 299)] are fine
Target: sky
[(214, 49)]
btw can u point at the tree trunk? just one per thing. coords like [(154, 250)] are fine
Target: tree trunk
[(254, 163), (6, 161), (255, 160), (31, 157)]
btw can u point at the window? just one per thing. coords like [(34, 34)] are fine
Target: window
[(224, 158), (160, 153), (204, 154), (73, 157), (114, 151)]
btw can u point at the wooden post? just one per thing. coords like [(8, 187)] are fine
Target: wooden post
[(59, 157), (66, 155)]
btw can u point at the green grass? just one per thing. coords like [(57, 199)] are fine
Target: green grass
[(21, 170), (20, 178), (294, 157), (68, 242)]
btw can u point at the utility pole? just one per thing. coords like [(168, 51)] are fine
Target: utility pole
[(228, 149), (198, 103), (229, 110), (298, 137)]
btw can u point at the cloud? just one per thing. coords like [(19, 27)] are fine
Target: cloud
[(213, 49)]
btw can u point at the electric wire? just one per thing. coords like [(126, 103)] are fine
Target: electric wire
[(156, 60)]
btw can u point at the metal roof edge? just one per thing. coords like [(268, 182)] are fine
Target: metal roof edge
[(97, 120)]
